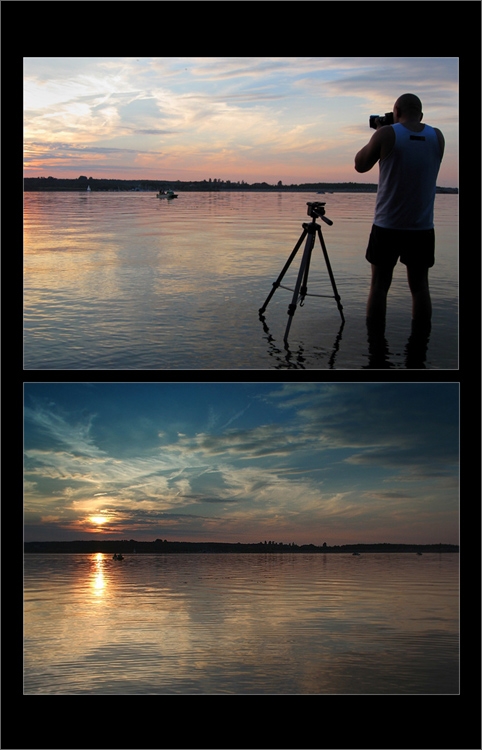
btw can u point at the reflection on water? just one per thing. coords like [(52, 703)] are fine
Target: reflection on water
[(415, 351), (125, 281), (257, 623), (98, 578), (286, 359)]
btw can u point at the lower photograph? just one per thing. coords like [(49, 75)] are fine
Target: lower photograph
[(241, 538)]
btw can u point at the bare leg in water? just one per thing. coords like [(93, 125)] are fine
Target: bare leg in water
[(416, 349), (421, 302), (377, 298)]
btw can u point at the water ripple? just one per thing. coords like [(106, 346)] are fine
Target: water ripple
[(125, 281)]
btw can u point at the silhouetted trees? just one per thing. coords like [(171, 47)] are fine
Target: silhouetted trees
[(164, 546), (216, 184)]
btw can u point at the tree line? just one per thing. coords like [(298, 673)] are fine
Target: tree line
[(109, 546), (82, 182)]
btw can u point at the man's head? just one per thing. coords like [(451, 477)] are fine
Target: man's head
[(407, 107)]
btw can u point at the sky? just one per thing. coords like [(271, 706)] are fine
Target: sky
[(306, 463), (249, 119)]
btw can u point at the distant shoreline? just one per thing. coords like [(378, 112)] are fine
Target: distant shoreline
[(33, 184), (165, 547)]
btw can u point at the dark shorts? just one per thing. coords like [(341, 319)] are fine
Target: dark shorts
[(415, 248)]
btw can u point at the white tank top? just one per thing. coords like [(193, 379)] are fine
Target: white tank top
[(406, 186)]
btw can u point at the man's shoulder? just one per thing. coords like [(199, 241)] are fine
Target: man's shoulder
[(387, 140), (437, 131), (431, 127), (438, 135), (386, 134)]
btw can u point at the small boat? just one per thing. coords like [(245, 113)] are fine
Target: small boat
[(419, 553), (117, 556), (88, 189), (356, 554), (169, 194)]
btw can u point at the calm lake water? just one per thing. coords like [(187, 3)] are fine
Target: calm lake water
[(241, 624), (127, 281)]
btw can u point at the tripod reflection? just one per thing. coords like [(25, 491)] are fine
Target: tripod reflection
[(289, 360)]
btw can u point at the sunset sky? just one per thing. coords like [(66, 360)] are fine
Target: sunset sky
[(303, 463), (254, 119)]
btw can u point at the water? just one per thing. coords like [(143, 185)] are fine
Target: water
[(241, 624), (127, 281)]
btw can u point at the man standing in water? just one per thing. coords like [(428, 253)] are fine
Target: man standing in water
[(409, 156)]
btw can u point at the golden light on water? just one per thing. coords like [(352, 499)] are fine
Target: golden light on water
[(98, 580), (99, 583)]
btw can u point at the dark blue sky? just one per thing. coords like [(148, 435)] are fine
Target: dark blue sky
[(303, 463)]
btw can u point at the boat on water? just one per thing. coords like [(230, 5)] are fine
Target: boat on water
[(169, 194), (117, 556), (356, 554)]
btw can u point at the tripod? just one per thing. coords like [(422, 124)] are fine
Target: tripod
[(315, 210)]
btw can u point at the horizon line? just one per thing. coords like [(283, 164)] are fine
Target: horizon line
[(263, 543), (215, 181)]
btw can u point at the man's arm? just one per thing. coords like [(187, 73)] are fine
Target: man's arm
[(379, 146)]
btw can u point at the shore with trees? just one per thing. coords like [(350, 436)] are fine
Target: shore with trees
[(211, 185), (163, 546)]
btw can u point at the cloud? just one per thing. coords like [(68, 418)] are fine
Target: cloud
[(308, 456), (257, 116), (72, 151), (389, 421), (152, 131), (236, 416), (56, 426), (387, 495), (258, 442)]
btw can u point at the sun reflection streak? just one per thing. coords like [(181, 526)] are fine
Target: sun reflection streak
[(98, 582)]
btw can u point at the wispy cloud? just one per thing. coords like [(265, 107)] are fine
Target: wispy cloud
[(245, 118), (308, 457)]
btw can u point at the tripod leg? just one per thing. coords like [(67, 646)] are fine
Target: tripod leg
[(302, 277), (304, 283), (330, 273), (285, 268)]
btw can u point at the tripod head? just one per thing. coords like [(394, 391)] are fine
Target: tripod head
[(316, 211)]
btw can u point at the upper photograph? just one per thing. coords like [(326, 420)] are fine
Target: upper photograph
[(241, 213)]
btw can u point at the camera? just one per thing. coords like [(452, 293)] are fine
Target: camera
[(386, 120), (316, 209)]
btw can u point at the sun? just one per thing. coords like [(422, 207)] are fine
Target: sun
[(98, 520)]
